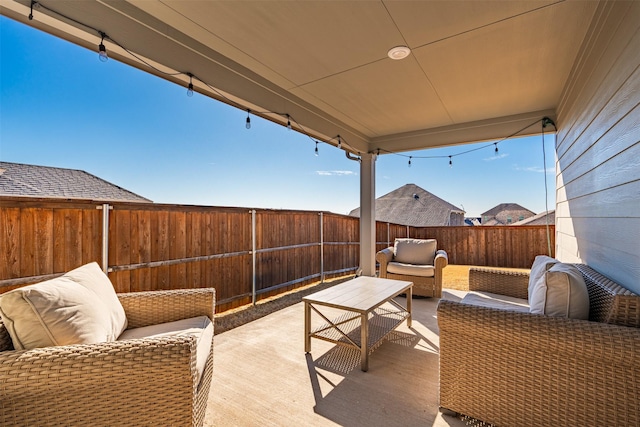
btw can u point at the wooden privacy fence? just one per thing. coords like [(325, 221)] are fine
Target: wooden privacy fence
[(245, 254)]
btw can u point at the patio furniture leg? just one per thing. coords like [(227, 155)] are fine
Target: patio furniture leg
[(364, 345), (307, 327)]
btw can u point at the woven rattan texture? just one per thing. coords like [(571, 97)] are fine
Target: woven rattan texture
[(503, 282), (522, 369), (133, 382)]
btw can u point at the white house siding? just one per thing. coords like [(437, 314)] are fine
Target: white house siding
[(598, 149)]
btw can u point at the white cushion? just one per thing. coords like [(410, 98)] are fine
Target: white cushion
[(199, 327), (491, 300), (540, 265), (80, 307), (414, 251), (563, 293), (411, 269)]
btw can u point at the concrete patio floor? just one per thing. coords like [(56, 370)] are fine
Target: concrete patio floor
[(263, 377)]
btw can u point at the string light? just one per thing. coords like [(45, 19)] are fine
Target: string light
[(102, 51), (104, 57), (317, 153), (190, 89), (450, 162)]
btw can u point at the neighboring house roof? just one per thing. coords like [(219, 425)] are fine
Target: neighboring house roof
[(17, 179), (543, 218), (505, 213), (413, 206)]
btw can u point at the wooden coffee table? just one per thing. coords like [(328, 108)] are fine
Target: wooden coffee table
[(366, 322)]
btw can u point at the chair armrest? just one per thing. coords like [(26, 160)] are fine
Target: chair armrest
[(153, 307), (510, 283), (384, 257), (116, 379), (535, 335), (441, 260)]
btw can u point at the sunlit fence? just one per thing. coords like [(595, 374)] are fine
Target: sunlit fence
[(246, 254)]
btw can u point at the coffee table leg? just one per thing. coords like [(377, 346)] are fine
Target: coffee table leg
[(409, 299), (364, 342), (307, 327)]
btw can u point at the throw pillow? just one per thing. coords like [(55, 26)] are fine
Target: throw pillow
[(541, 264), (80, 307), (415, 251), (563, 293)]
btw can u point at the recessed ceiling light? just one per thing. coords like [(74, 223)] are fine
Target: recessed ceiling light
[(399, 52)]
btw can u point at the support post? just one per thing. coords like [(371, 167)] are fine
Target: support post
[(368, 214)]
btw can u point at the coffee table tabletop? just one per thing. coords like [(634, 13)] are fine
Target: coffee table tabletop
[(362, 296)]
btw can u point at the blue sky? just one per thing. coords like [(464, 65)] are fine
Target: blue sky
[(60, 106)]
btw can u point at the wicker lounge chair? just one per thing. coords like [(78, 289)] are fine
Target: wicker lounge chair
[(512, 368), (149, 381), (426, 274)]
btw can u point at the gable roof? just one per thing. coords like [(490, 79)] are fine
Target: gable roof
[(402, 207), (505, 207), (539, 219), (17, 179)]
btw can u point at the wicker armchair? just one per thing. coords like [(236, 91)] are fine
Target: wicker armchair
[(148, 381), (427, 286), (521, 369)]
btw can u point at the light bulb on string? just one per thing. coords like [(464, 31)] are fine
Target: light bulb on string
[(102, 50), (190, 88), (339, 143), (31, 11), (410, 157), (248, 125), (317, 153), (496, 144), (450, 162), (288, 122)]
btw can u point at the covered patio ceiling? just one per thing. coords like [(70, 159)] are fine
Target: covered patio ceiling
[(478, 70)]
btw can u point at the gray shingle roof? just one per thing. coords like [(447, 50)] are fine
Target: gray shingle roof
[(17, 179), (539, 219), (502, 207), (401, 207)]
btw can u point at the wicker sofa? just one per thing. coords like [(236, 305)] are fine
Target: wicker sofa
[(424, 271), (511, 368), (148, 381)]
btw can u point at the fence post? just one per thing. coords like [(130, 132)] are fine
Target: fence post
[(407, 231), (105, 235), (388, 234), (321, 247), (253, 256)]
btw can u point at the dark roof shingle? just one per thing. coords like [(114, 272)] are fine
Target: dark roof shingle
[(17, 179)]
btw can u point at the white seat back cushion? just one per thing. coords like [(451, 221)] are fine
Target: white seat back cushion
[(563, 293), (80, 307), (540, 265), (415, 251), (199, 327)]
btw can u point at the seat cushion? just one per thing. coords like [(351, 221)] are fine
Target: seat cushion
[(414, 251), (411, 269), (199, 327), (502, 302), (540, 265), (80, 307), (562, 293)]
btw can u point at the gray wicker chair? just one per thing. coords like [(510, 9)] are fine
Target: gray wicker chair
[(521, 369), (427, 286), (150, 381)]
